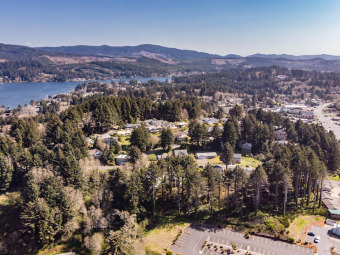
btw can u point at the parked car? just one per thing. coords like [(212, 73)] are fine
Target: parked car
[(311, 234), (317, 239)]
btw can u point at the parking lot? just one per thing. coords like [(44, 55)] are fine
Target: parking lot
[(326, 240), (193, 238)]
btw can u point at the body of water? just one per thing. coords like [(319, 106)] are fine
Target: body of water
[(13, 94)]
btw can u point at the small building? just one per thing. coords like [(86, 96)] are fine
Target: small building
[(210, 121), (206, 155), (122, 159), (280, 135), (181, 124), (307, 114), (335, 214), (154, 129), (180, 153), (95, 153), (245, 147), (131, 126), (163, 156), (110, 141), (124, 133), (221, 168), (89, 141), (181, 137), (237, 158)]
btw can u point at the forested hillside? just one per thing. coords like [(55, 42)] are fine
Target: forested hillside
[(54, 200)]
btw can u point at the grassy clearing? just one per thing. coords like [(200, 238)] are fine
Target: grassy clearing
[(299, 224), (335, 178), (162, 236), (248, 161), (52, 251), (4, 199), (125, 141), (8, 198), (215, 161)]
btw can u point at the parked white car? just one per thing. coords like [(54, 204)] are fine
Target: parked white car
[(317, 239)]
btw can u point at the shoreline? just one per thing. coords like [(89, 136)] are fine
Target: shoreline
[(103, 79), (21, 93)]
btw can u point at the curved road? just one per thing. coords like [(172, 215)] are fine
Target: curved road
[(326, 122)]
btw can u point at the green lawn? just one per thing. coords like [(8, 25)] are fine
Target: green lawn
[(248, 161)]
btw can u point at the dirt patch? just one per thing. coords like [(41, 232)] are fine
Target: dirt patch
[(89, 164), (161, 238), (320, 223), (73, 60)]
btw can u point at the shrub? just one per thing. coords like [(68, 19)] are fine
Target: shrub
[(168, 252), (286, 222), (177, 237), (247, 236), (291, 240)]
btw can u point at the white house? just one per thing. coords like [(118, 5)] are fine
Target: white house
[(163, 156), (124, 133), (122, 159), (206, 155), (180, 153), (237, 158)]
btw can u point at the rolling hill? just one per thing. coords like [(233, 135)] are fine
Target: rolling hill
[(145, 50)]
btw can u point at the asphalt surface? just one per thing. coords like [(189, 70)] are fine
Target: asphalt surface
[(191, 241), (327, 239), (326, 122)]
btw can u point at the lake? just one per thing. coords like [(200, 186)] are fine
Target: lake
[(13, 94)]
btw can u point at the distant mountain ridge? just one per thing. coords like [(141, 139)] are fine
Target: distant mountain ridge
[(144, 50), (69, 62), (293, 57), (160, 51), (10, 52)]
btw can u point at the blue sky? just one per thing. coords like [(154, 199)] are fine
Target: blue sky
[(216, 26)]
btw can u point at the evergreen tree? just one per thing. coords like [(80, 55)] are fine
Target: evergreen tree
[(167, 139), (140, 138), (6, 172)]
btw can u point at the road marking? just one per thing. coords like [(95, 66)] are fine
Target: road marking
[(197, 243)]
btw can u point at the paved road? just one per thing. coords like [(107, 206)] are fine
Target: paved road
[(326, 242), (192, 239), (326, 121)]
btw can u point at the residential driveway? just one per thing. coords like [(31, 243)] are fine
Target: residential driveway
[(326, 122), (327, 239), (191, 241)]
